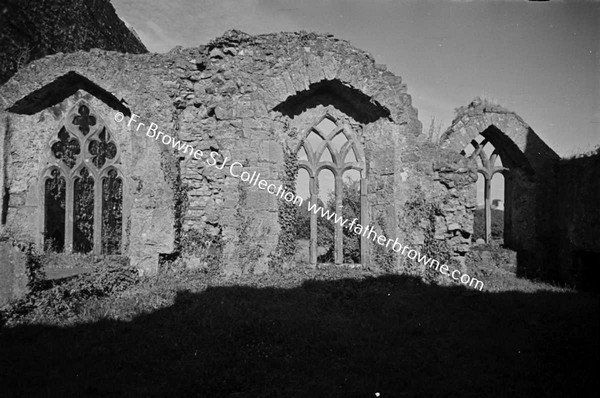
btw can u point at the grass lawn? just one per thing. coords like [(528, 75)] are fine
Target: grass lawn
[(340, 333)]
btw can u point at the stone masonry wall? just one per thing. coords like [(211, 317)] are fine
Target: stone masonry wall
[(13, 281), (229, 91), (531, 180), (578, 219), (30, 30), (242, 97), (28, 121)]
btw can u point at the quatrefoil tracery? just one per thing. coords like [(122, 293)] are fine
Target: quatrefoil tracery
[(66, 148), (73, 140), (84, 119), (102, 149)]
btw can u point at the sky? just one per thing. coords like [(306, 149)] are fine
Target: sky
[(539, 59)]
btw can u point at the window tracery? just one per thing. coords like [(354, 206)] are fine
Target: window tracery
[(83, 187), (332, 149)]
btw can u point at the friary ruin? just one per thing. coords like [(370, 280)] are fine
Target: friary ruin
[(307, 111)]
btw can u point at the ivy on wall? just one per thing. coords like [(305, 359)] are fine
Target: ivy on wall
[(287, 217), (172, 173), (420, 212), (247, 252), (383, 257)]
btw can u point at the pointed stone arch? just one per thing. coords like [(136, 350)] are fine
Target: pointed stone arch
[(527, 165), (313, 163), (347, 99), (61, 88), (81, 179)]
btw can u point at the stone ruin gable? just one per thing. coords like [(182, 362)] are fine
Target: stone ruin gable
[(35, 103), (530, 182), (243, 95)]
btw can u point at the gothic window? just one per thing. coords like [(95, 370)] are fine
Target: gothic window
[(55, 198), (83, 187), (489, 216), (112, 212), (332, 175)]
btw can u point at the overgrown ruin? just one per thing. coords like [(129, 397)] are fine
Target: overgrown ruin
[(75, 180)]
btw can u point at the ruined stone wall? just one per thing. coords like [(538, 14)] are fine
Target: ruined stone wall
[(234, 99), (530, 181), (13, 281), (578, 219), (32, 29), (250, 99), (34, 103), (436, 202)]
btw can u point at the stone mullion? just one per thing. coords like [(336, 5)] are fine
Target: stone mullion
[(488, 208), (69, 213), (364, 220), (97, 216), (313, 221), (338, 234)]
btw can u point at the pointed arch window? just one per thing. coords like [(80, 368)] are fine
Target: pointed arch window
[(332, 157), (489, 162), (82, 187)]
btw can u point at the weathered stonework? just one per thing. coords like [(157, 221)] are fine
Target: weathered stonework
[(529, 181), (13, 280), (30, 30), (254, 99)]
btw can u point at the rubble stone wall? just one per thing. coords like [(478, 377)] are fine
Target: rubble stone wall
[(250, 99), (578, 219), (13, 280), (530, 181)]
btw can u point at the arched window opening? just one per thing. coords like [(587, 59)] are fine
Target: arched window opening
[(479, 219), (55, 211), (83, 223), (351, 211), (489, 214), (325, 226), (332, 177), (83, 187), (497, 208), (303, 215)]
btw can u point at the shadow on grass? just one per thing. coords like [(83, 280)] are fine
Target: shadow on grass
[(345, 338)]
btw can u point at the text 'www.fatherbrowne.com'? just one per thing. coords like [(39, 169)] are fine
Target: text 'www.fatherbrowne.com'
[(236, 169)]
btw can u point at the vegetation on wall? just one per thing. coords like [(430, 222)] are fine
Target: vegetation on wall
[(420, 213), (33, 29), (247, 251), (497, 224), (326, 227), (288, 212), (63, 298), (202, 247), (383, 257)]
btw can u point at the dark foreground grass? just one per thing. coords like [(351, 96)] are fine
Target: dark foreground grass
[(390, 335)]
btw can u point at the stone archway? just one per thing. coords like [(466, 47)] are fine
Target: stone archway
[(526, 163)]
